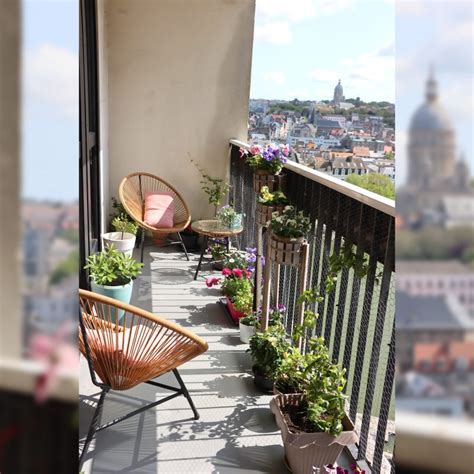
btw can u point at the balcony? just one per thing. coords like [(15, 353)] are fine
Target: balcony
[(236, 431)]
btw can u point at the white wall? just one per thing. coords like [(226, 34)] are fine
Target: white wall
[(178, 88)]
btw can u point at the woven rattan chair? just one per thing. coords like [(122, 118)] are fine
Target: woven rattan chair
[(132, 191), (126, 346)]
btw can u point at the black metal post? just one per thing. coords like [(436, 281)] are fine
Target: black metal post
[(184, 246), (204, 246)]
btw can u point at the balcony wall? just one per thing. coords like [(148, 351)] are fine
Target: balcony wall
[(174, 85)]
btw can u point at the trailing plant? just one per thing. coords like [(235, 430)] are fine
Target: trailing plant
[(290, 223), (112, 267), (277, 198), (218, 249), (122, 224), (228, 216), (269, 158), (215, 188)]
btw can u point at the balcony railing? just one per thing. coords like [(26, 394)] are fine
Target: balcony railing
[(357, 317)]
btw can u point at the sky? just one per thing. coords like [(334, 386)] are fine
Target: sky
[(50, 98), (302, 48), (437, 33)]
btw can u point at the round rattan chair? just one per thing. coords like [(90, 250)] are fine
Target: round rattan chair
[(132, 191), (126, 346)]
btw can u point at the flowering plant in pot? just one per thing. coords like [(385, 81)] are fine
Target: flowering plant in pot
[(268, 203), (229, 217), (267, 162), (238, 289), (218, 250), (248, 324), (112, 273)]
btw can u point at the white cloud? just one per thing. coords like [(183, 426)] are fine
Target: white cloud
[(295, 10), (51, 76), (323, 76), (277, 32), (277, 77)]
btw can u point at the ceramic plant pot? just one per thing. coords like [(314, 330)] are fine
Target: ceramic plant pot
[(125, 242), (306, 452), (121, 293), (246, 332)]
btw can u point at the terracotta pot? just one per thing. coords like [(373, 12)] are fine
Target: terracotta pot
[(307, 451), (267, 178), (285, 250), (263, 383), (264, 213), (234, 314)]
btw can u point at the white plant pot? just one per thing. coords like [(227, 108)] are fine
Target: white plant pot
[(246, 332), (125, 244)]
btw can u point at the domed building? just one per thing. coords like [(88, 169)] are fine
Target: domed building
[(437, 190), (338, 94)]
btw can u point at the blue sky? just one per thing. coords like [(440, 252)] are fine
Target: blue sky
[(302, 47), (50, 99)]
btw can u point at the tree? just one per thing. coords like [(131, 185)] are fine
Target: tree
[(375, 182), (67, 268)]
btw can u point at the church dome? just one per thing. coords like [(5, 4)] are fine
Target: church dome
[(338, 87), (431, 115)]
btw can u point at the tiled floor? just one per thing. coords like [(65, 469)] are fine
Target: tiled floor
[(236, 432)]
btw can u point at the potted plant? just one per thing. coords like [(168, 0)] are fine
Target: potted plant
[(238, 290), (268, 203), (123, 239), (314, 425), (229, 218), (248, 327), (267, 349), (218, 250), (288, 231), (267, 163), (112, 273)]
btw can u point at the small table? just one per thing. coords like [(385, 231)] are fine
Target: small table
[(213, 229)]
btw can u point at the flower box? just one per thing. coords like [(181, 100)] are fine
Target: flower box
[(234, 314), (307, 451), (262, 178), (264, 213)]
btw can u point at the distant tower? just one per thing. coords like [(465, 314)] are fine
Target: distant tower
[(431, 145), (338, 94)]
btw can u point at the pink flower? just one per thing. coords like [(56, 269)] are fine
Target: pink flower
[(212, 281), (243, 152), (227, 272), (237, 272), (286, 150), (256, 149)]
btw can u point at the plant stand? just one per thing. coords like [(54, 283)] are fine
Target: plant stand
[(283, 252)]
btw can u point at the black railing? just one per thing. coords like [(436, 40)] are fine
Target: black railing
[(357, 317)]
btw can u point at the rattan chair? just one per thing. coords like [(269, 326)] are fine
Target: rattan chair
[(126, 346), (132, 191)]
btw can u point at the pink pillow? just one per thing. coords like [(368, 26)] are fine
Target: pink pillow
[(159, 209)]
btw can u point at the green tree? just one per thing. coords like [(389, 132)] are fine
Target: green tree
[(375, 182), (68, 267)]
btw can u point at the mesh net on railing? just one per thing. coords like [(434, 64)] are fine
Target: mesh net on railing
[(357, 317)]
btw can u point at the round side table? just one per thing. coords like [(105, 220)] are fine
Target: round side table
[(212, 229)]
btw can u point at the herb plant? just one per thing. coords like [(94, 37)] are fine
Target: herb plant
[(112, 267), (122, 224), (215, 188), (290, 223), (227, 216)]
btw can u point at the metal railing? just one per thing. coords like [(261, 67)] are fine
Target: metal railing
[(357, 317)]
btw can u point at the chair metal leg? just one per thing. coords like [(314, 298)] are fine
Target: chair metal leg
[(186, 393), (142, 244), (204, 246), (184, 246), (94, 424)]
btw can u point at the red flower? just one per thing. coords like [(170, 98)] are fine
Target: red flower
[(227, 272), (211, 281), (237, 272)]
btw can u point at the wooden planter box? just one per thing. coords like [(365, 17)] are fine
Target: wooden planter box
[(305, 451), (264, 213), (285, 250), (266, 178)]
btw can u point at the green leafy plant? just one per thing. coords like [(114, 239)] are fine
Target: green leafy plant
[(218, 249), (269, 158), (215, 188), (112, 267), (124, 225), (243, 299), (234, 285), (251, 319), (228, 216), (277, 198), (268, 349), (290, 223)]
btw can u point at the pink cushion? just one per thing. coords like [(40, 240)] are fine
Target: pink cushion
[(159, 209)]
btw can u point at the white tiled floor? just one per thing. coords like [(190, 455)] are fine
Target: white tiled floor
[(236, 432)]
